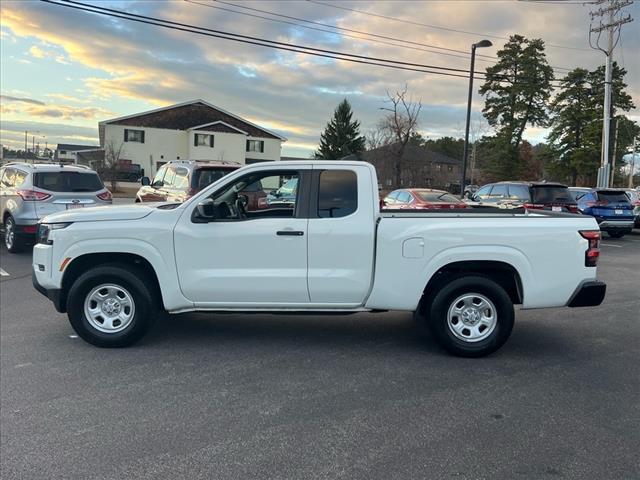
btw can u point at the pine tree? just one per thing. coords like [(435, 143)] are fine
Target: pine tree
[(341, 136), (517, 90)]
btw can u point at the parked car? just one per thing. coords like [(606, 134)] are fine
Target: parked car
[(422, 199), (285, 196), (610, 207), (634, 198), (469, 190), (30, 191), (333, 252), (530, 195), (125, 171), (179, 180)]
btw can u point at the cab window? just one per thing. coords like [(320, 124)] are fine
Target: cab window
[(159, 176), (169, 178), (337, 193), (483, 193), (404, 197)]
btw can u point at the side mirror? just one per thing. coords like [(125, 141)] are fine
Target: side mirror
[(274, 193), (206, 209), (145, 181)]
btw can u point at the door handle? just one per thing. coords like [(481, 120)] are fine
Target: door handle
[(291, 233)]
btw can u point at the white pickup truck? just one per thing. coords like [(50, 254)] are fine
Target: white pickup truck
[(314, 241)]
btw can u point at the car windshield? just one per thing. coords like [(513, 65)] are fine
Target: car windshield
[(613, 197), (68, 181), (435, 197), (203, 177), (550, 194)]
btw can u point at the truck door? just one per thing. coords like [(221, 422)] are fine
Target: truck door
[(341, 235), (251, 256)]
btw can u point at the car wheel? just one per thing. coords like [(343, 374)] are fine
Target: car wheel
[(111, 306), (471, 316), (11, 240), (616, 234)]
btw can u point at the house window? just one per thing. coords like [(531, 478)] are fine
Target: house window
[(63, 152), (133, 135), (438, 167), (450, 168), (255, 146), (202, 140)]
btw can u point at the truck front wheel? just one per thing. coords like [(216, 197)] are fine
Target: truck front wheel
[(471, 316), (111, 306)]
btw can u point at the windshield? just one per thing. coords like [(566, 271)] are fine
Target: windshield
[(68, 181), (435, 197), (551, 194), (203, 177)]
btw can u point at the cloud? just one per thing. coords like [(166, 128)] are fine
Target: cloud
[(12, 133), (7, 98), (289, 92)]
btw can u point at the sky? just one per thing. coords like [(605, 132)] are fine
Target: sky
[(63, 70)]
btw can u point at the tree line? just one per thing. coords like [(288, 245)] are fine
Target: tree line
[(519, 93)]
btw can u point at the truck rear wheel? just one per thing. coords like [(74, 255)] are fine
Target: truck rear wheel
[(471, 316), (111, 306)]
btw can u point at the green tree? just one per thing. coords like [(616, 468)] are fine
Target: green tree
[(576, 128), (517, 91), (341, 136), (449, 146)]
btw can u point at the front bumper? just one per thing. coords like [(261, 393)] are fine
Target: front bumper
[(53, 294), (588, 294)]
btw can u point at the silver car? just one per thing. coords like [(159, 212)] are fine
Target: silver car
[(29, 192)]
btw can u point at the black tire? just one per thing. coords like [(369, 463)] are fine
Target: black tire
[(442, 300), (135, 282), (617, 234), (12, 240)]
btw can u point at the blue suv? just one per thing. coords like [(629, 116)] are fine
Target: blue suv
[(610, 207)]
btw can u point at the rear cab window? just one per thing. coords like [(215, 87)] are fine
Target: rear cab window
[(551, 194), (337, 193), (613, 197), (435, 197), (519, 192), (68, 181), (203, 177)]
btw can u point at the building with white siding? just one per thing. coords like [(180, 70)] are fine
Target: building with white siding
[(194, 130)]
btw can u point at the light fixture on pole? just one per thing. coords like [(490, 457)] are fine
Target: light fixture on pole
[(480, 44)]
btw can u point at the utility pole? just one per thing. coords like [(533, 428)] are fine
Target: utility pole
[(633, 162), (612, 25), (615, 148)]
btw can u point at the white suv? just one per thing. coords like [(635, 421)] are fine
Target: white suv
[(29, 192)]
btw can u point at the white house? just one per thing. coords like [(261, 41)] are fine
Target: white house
[(68, 153), (194, 130)]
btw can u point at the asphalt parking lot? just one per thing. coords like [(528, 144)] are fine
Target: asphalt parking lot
[(361, 396)]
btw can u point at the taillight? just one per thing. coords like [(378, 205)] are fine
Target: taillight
[(104, 196), (593, 252), (32, 195), (573, 208), (534, 206)]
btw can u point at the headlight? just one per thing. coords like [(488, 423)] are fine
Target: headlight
[(44, 229)]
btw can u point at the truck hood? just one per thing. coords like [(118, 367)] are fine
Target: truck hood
[(94, 214)]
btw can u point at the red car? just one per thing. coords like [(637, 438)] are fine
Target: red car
[(422, 199)]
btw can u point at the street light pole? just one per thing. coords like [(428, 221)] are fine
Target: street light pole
[(480, 44)]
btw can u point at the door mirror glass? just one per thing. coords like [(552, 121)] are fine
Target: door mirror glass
[(145, 181)]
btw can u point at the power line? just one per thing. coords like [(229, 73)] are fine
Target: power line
[(388, 63), (313, 22), (245, 39), (438, 27), (342, 34)]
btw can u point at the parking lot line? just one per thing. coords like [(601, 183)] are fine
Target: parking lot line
[(3, 273), (610, 245)]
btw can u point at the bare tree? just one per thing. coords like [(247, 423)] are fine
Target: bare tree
[(479, 128), (113, 152), (399, 125), (376, 138)]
